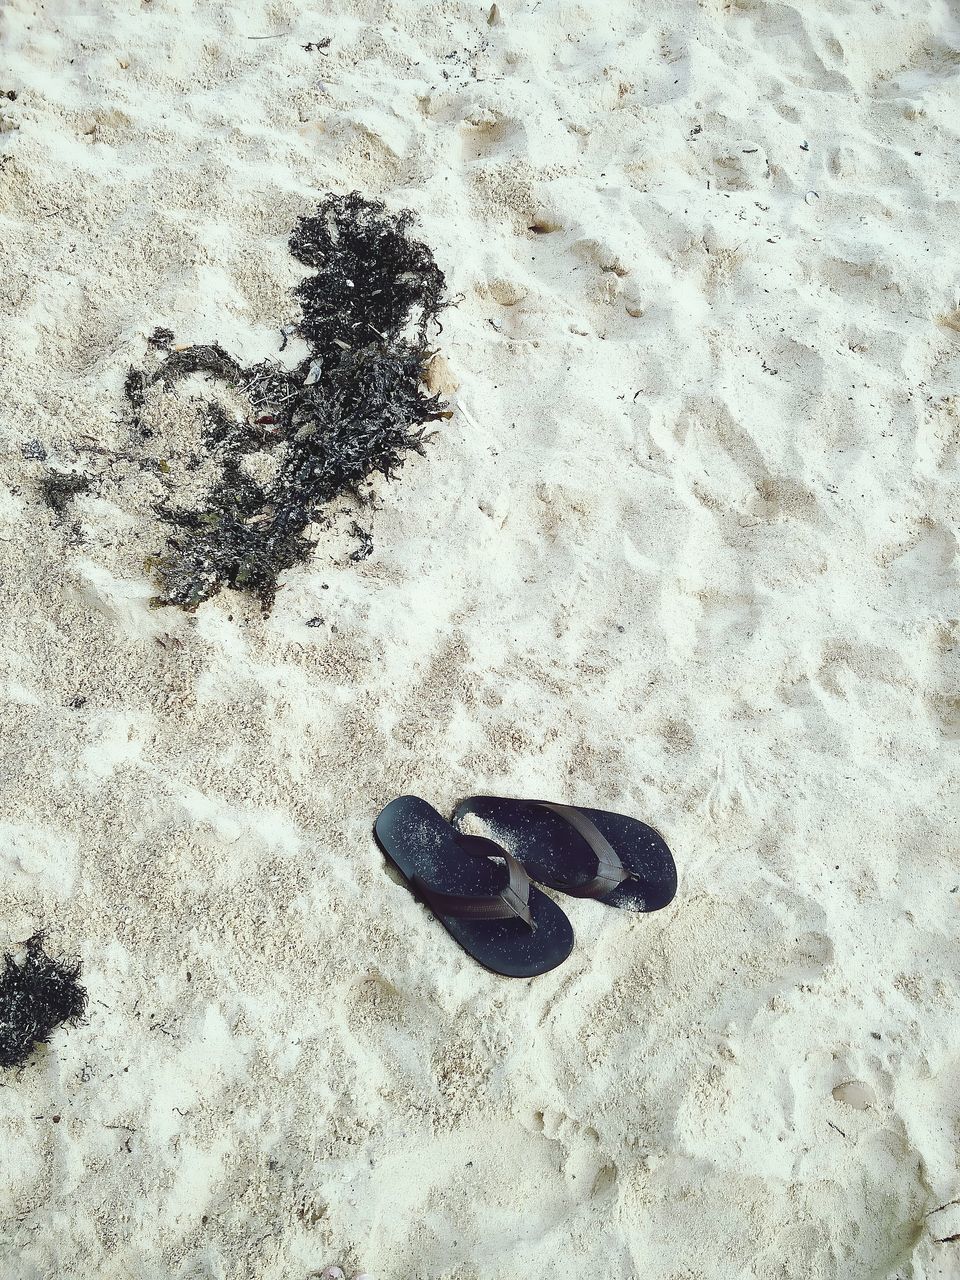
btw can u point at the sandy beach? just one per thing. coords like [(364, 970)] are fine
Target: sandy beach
[(686, 548)]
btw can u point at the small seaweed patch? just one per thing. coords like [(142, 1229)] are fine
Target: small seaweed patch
[(364, 547), (351, 409), (58, 488), (35, 997)]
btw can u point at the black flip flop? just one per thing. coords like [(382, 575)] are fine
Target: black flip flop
[(488, 906), (588, 853)]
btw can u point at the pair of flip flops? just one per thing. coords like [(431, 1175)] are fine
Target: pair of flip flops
[(481, 891)]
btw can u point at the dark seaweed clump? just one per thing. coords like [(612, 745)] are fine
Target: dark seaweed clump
[(58, 488), (352, 408), (36, 997)]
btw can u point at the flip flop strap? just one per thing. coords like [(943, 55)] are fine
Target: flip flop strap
[(513, 900), (610, 869)]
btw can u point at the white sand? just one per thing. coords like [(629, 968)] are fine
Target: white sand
[(688, 548)]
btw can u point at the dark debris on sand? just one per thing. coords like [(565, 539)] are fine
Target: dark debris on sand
[(352, 408), (57, 488), (35, 997), (33, 451)]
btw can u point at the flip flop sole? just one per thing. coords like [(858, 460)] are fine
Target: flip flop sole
[(556, 855), (421, 843)]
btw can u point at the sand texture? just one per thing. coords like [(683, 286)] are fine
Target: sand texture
[(687, 548)]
